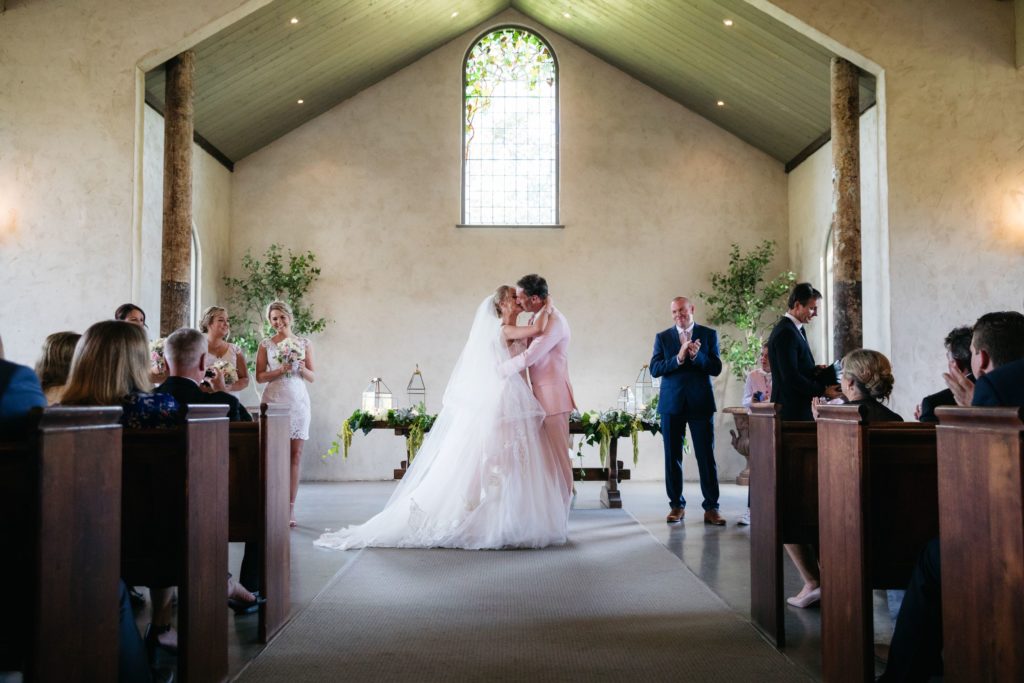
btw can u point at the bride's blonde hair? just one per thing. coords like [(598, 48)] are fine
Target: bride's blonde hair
[(500, 294)]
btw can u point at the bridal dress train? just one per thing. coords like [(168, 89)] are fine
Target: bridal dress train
[(486, 475)]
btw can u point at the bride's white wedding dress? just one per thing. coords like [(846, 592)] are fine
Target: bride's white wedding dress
[(486, 475)]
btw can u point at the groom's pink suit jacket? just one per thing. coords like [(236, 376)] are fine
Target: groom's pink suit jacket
[(547, 357)]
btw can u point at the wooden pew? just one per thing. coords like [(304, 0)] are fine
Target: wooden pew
[(878, 494), (258, 495), (60, 483), (981, 498), (783, 507), (175, 530)]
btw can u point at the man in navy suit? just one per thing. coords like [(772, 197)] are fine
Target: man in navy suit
[(19, 392), (795, 379), (686, 358), (997, 360)]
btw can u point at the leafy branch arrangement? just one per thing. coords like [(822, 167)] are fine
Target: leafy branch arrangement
[(416, 421), (741, 298), (508, 54), (601, 427), (277, 277)]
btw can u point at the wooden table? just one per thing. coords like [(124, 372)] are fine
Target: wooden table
[(612, 475)]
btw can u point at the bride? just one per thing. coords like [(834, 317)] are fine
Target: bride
[(486, 475)]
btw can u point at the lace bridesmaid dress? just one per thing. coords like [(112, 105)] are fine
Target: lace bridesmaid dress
[(230, 356), (289, 390)]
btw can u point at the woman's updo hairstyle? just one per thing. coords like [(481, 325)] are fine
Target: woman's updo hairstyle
[(280, 306), (209, 314), (871, 373), (500, 294)]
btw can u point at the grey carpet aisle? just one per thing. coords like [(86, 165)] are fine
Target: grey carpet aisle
[(611, 605)]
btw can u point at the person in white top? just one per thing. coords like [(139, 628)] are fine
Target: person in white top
[(217, 327)]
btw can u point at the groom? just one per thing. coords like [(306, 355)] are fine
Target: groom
[(547, 357)]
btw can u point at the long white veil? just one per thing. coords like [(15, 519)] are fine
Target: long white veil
[(483, 477)]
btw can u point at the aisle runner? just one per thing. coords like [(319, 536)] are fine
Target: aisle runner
[(613, 604)]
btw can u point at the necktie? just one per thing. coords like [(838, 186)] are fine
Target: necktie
[(803, 331)]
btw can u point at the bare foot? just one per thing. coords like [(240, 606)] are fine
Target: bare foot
[(237, 591), (291, 516)]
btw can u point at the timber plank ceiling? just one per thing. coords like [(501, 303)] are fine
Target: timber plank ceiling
[(773, 81)]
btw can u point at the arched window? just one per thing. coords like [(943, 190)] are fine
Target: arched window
[(510, 130), (828, 270)]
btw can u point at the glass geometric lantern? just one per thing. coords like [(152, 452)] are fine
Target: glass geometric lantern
[(416, 390), (377, 398), (626, 402), (643, 389)]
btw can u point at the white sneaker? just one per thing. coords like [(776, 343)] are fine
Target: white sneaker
[(744, 520)]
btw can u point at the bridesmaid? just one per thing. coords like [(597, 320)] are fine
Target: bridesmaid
[(217, 328), (287, 384), (130, 313)]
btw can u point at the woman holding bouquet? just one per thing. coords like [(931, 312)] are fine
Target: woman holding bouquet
[(285, 362), (221, 355)]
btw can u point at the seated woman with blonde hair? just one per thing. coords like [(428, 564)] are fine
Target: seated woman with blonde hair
[(55, 363), (866, 380)]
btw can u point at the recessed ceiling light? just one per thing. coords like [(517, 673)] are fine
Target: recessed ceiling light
[(566, 15), (295, 20), (720, 103), (454, 14), (727, 22), (300, 101)]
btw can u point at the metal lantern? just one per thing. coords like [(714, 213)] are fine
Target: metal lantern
[(377, 398), (626, 402), (416, 390), (643, 389)]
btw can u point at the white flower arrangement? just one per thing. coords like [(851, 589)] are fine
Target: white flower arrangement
[(227, 370)]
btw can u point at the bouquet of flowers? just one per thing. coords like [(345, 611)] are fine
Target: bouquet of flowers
[(290, 351), (156, 356), (227, 370)]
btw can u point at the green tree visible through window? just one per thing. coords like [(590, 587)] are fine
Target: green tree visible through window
[(510, 130)]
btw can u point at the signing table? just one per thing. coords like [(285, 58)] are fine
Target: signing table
[(612, 475)]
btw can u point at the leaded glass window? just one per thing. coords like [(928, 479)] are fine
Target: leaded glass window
[(510, 131)]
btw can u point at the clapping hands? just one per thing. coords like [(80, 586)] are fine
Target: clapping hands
[(960, 384)]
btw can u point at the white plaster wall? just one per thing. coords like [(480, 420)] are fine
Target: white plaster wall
[(955, 162), (810, 217), (651, 197), (211, 218), (68, 130)]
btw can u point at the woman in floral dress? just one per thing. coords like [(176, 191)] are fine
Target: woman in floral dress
[(285, 363)]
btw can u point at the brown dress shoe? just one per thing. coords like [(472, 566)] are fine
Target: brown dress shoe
[(712, 517), (676, 516)]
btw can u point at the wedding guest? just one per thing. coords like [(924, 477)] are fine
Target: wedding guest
[(795, 383), (758, 386), (185, 352), (216, 326), (111, 367), (55, 362), (997, 361), (20, 392), (686, 357), (958, 353), (285, 362), (867, 380)]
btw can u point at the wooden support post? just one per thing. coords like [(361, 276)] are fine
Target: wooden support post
[(848, 308), (175, 264)]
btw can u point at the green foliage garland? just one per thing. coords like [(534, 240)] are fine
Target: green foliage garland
[(277, 277), (740, 298)]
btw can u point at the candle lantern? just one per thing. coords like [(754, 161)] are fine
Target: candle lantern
[(417, 390), (626, 402), (377, 398), (643, 389)]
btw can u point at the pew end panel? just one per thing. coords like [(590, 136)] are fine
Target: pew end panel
[(981, 496), (60, 487), (175, 529)]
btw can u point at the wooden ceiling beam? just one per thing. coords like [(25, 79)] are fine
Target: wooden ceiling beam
[(1018, 20)]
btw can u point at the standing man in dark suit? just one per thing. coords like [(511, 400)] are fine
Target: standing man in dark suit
[(958, 353), (794, 380), (686, 358)]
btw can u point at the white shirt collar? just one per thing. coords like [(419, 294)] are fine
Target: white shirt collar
[(799, 325), (689, 329)]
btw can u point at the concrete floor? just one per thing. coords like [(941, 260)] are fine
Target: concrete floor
[(718, 555)]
